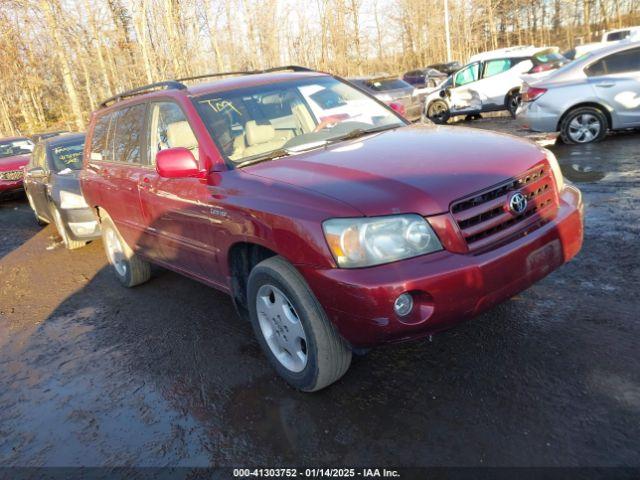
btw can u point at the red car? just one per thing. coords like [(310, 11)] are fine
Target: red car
[(15, 153), (333, 224)]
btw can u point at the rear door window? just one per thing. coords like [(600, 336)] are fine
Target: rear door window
[(622, 62), (494, 67), (129, 125)]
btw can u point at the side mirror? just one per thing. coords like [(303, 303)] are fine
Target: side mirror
[(176, 162), (445, 93)]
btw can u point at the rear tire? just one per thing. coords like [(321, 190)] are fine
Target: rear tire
[(438, 112), (130, 269), (512, 102), (69, 243), (292, 328), (583, 125)]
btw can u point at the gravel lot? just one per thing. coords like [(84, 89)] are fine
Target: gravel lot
[(165, 374)]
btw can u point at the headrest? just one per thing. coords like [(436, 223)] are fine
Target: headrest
[(179, 134), (256, 134)]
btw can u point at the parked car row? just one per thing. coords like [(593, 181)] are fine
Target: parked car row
[(582, 97), (599, 91), (333, 222)]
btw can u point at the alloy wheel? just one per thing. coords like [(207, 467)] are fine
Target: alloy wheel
[(439, 112), (584, 128), (281, 327)]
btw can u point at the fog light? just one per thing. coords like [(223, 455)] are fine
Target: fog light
[(403, 304)]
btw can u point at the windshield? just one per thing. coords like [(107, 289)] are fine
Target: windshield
[(387, 84), (546, 57), (68, 156), (258, 121), (20, 146)]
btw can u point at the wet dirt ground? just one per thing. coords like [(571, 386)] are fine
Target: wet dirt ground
[(165, 374)]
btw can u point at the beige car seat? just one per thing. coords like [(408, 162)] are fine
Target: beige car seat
[(179, 134), (260, 138)]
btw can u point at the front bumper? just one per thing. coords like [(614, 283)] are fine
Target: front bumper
[(447, 287), (81, 223), (532, 117)]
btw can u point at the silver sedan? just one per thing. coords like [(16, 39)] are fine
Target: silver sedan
[(587, 97)]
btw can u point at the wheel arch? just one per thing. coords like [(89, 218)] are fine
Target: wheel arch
[(511, 92), (606, 111), (242, 256)]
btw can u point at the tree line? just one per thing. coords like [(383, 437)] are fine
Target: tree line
[(60, 58)]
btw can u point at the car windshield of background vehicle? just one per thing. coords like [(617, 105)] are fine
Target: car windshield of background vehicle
[(388, 84), (253, 123), (15, 147), (67, 156), (547, 57)]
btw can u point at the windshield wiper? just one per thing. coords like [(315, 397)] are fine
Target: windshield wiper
[(282, 152), (361, 132)]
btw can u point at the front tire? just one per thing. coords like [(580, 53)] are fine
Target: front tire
[(583, 125), (130, 269), (438, 112), (292, 328)]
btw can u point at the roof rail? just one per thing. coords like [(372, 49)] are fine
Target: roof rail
[(293, 68), (178, 85), (168, 85)]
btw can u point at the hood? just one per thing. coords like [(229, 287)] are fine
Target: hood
[(415, 169), (14, 163)]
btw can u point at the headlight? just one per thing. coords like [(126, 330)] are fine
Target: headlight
[(71, 200), (555, 168), (363, 242)]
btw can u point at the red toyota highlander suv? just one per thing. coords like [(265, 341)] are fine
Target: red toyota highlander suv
[(333, 223)]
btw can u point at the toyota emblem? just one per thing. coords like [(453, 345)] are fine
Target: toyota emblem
[(517, 203)]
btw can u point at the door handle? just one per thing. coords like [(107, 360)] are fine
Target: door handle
[(605, 85)]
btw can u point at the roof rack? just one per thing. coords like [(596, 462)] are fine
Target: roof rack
[(292, 68), (168, 85), (178, 85)]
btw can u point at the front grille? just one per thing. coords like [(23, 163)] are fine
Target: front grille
[(484, 217), (11, 175)]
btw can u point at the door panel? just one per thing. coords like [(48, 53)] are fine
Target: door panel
[(122, 174), (616, 80), (177, 210), (464, 95)]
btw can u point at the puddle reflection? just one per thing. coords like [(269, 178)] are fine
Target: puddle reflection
[(614, 159)]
